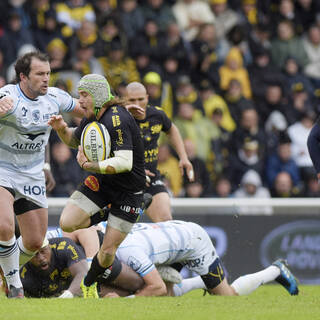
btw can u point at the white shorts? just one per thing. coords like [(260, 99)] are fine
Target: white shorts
[(32, 188), (203, 253)]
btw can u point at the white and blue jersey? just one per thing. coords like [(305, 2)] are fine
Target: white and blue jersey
[(24, 134), (164, 243)]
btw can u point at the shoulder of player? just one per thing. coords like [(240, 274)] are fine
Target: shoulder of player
[(155, 109), (54, 92)]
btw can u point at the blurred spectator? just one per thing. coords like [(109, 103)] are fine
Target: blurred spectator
[(14, 36), (171, 71), (152, 39), (274, 100), (223, 188), (39, 11), (248, 14), (86, 35), (74, 12), (246, 158), (261, 72), (294, 75), (248, 130), (201, 186), (65, 169), (208, 55), (187, 93), (225, 17), (311, 43), (306, 11), (299, 103), (283, 187), (190, 15), (259, 38), (85, 62), (103, 9), (158, 11), (211, 102), (285, 11), (235, 100), (193, 125), (50, 31), (176, 45), (110, 31), (144, 64), (274, 126), (251, 187), (237, 37), (160, 93), (282, 161), (299, 133), (312, 189), (168, 166), (287, 44), (233, 69), (131, 18), (118, 66)]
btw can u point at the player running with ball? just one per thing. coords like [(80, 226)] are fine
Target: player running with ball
[(119, 180)]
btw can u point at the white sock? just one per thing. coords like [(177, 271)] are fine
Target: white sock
[(9, 261), (187, 285), (25, 254), (89, 261), (250, 282)]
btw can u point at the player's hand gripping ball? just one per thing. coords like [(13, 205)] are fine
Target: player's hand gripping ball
[(95, 141)]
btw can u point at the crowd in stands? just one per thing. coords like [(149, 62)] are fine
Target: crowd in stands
[(239, 78)]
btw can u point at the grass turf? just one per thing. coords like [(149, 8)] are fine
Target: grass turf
[(268, 302)]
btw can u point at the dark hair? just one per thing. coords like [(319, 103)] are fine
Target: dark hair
[(23, 64)]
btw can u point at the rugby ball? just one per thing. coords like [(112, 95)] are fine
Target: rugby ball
[(95, 141)]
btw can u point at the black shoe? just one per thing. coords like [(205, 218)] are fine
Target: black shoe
[(15, 293)]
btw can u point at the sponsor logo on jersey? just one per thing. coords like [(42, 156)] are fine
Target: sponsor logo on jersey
[(35, 116), (116, 121), (92, 183), (133, 263), (156, 128), (34, 190), (28, 146), (130, 209), (11, 273)]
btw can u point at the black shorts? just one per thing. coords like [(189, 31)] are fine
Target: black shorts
[(156, 185), (124, 204)]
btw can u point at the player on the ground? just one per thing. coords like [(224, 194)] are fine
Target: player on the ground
[(55, 271), (150, 245), (24, 132), (119, 180), (151, 121)]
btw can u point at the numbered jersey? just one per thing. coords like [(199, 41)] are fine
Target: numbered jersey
[(164, 243), (24, 131), (49, 283)]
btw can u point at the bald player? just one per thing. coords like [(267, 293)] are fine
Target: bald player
[(151, 121)]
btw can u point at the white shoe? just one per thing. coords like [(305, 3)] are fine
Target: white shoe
[(169, 274)]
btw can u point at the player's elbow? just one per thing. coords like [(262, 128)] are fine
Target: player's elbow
[(159, 289)]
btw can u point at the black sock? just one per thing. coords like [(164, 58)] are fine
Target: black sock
[(101, 215), (94, 271)]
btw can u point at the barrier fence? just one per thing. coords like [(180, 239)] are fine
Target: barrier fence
[(247, 243)]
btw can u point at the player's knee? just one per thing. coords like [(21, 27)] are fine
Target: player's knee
[(33, 244), (6, 230), (67, 224)]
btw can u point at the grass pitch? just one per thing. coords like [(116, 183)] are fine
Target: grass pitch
[(268, 302)]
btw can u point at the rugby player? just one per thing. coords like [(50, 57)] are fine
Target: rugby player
[(150, 245), (151, 121), (25, 109), (119, 180)]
